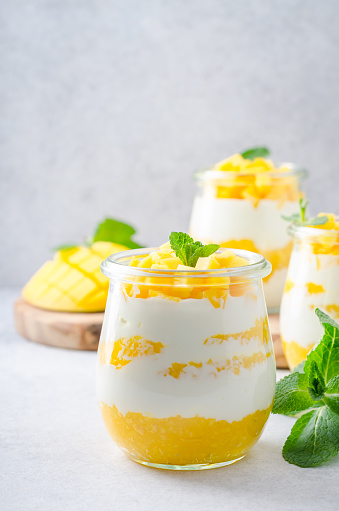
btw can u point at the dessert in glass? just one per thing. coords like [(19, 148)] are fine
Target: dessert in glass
[(239, 203), (185, 369), (312, 281)]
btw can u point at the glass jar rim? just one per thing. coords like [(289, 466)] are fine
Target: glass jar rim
[(117, 264), (311, 233), (211, 173)]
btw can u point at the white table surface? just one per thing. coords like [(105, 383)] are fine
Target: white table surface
[(55, 453)]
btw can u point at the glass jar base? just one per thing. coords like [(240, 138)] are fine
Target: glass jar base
[(198, 466)]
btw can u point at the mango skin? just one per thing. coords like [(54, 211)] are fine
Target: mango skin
[(72, 281)]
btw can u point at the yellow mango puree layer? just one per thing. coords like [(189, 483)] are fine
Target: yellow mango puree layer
[(183, 441), (294, 353)]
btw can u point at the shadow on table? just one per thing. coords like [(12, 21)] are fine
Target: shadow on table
[(262, 475)]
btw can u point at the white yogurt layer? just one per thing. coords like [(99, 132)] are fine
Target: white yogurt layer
[(298, 321), (182, 327), (221, 220)]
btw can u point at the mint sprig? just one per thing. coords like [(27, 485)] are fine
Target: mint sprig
[(189, 250), (110, 230), (313, 389), (301, 217), (256, 152)]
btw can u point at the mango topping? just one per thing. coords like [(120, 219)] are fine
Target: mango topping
[(255, 181), (175, 288)]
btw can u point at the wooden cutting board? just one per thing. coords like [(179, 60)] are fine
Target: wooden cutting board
[(81, 331), (74, 330)]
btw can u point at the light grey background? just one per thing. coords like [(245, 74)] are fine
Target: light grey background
[(108, 107)]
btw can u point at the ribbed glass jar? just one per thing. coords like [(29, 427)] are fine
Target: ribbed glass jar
[(185, 370)]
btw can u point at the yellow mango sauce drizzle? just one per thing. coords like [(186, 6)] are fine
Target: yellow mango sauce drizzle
[(183, 441), (234, 365), (124, 350), (259, 331), (294, 353), (314, 288)]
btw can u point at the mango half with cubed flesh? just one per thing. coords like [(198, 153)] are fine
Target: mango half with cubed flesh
[(72, 281)]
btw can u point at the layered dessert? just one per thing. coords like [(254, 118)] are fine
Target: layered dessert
[(186, 371), (240, 203), (312, 281)]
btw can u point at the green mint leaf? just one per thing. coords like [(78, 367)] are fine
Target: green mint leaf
[(320, 220), (65, 247), (179, 242), (316, 380), (303, 206), (256, 152), (115, 232), (202, 251), (301, 217), (326, 353), (331, 396), (189, 250), (291, 395), (314, 438)]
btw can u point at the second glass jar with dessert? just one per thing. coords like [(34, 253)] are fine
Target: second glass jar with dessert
[(312, 282), (186, 370), (244, 210)]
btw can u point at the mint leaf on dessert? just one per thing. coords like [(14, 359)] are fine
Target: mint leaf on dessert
[(314, 388), (179, 243), (292, 395), (314, 438), (115, 232), (189, 250), (301, 217), (202, 251), (318, 220), (256, 152)]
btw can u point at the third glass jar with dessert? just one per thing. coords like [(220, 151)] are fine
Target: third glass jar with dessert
[(312, 282), (186, 370), (243, 209)]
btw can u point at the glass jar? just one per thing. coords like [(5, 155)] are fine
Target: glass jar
[(186, 369), (244, 210), (312, 281)]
